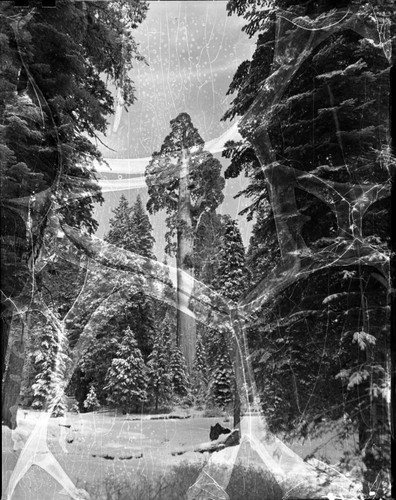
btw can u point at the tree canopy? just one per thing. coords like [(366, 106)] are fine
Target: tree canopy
[(54, 99), (164, 174), (313, 104), (130, 228)]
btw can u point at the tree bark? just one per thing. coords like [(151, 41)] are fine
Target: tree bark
[(17, 286), (186, 325), (6, 318), (13, 377)]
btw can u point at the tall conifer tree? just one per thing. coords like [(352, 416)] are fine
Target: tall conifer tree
[(142, 230), (126, 379), (120, 232), (231, 280), (159, 369), (179, 374), (327, 120), (232, 275), (184, 180), (130, 228)]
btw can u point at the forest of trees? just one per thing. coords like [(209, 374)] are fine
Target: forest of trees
[(322, 344), (102, 322), (54, 101)]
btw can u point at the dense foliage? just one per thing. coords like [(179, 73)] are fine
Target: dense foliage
[(200, 378), (125, 303), (321, 343), (164, 175), (315, 149), (179, 377), (159, 369), (53, 101), (126, 379), (131, 229)]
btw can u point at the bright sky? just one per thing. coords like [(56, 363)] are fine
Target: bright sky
[(193, 50)]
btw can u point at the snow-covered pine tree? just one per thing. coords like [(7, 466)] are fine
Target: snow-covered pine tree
[(120, 233), (222, 381), (130, 228), (126, 380), (47, 359), (91, 403), (231, 281), (95, 363), (232, 277), (44, 359), (180, 384), (142, 229), (159, 369), (200, 373)]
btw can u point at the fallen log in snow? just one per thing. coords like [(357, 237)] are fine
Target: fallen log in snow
[(223, 441), (169, 417)]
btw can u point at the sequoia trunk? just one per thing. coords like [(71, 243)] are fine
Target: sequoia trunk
[(186, 326)]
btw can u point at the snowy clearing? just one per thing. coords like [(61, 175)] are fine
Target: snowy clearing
[(100, 445)]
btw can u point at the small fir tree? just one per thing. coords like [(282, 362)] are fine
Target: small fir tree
[(91, 403), (75, 408), (95, 363), (180, 384), (200, 372), (159, 369), (126, 380), (222, 380), (120, 233), (232, 277), (130, 228)]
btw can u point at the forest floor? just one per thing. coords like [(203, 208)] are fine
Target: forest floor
[(103, 445)]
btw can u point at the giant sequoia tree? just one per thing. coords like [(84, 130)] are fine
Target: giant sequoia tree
[(53, 102), (313, 103), (184, 180)]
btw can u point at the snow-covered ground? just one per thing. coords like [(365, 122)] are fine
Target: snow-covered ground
[(92, 446)]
